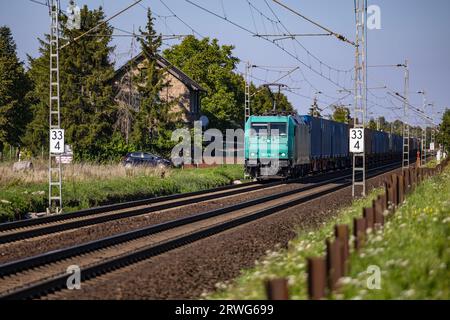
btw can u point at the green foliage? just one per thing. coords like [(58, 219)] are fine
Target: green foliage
[(314, 111), (444, 132), (412, 251), (372, 124), (341, 114), (155, 119), (262, 101), (212, 66), (86, 73), (14, 87)]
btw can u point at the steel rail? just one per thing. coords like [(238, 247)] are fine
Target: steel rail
[(113, 207)]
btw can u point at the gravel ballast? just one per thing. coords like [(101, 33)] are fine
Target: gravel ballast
[(37, 245)]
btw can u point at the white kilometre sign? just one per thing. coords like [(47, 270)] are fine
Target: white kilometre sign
[(357, 140), (432, 146), (57, 141)]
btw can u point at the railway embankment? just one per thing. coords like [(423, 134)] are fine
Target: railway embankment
[(408, 258)]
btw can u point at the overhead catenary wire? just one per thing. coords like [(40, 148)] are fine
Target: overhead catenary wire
[(181, 20), (101, 23), (280, 47), (300, 44), (337, 35), (289, 35)]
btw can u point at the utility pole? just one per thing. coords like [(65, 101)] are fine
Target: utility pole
[(248, 73), (405, 162), (423, 144), (274, 99), (433, 131), (359, 157), (56, 135), (314, 107)]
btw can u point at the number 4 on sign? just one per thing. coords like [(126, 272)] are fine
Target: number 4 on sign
[(57, 141), (357, 140)]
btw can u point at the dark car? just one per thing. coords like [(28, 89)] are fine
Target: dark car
[(145, 159)]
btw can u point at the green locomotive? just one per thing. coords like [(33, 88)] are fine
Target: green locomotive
[(291, 145)]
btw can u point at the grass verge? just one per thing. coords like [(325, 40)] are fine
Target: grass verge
[(17, 198), (412, 253)]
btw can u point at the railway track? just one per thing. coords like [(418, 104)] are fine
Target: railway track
[(26, 229), (45, 273)]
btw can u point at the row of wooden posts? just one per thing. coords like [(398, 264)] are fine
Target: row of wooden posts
[(324, 272)]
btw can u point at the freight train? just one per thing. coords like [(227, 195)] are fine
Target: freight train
[(291, 145)]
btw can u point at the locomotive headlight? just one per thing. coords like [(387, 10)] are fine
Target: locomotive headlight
[(252, 154), (283, 154)]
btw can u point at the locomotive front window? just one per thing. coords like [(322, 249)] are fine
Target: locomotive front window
[(259, 129), (280, 127)]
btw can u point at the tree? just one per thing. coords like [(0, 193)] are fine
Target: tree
[(86, 74), (444, 131), (372, 124), (262, 101), (155, 119), (341, 114), (14, 87), (314, 111), (212, 66)]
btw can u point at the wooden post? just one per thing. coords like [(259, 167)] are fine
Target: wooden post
[(378, 210), (401, 189), (406, 181), (386, 192), (370, 217), (317, 278), (333, 263), (391, 200), (395, 184), (342, 234), (277, 289), (359, 231), (378, 215)]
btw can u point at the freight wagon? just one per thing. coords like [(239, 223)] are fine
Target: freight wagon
[(289, 145)]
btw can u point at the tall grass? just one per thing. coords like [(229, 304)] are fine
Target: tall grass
[(74, 173), (88, 185)]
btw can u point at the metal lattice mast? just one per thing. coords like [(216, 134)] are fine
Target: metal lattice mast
[(359, 159), (247, 112), (406, 131), (424, 134), (248, 71), (54, 166), (433, 130), (424, 146)]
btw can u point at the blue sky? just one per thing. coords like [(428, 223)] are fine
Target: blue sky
[(417, 30)]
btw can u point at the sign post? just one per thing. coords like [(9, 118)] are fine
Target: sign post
[(357, 140), (57, 141), (56, 134)]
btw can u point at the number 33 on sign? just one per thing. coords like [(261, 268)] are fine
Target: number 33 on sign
[(357, 140), (57, 141)]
